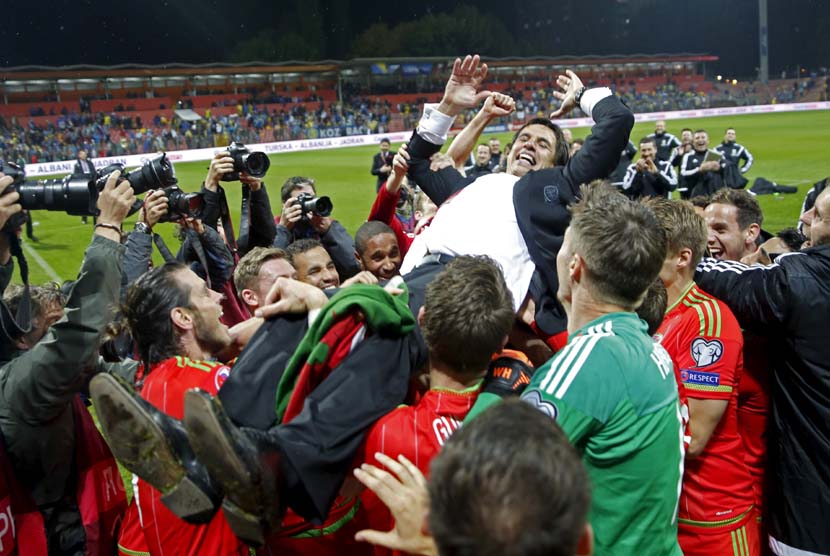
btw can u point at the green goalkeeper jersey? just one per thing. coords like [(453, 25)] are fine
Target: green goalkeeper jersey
[(612, 390)]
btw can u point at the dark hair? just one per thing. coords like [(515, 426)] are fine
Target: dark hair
[(728, 128), (385, 140), (301, 246), (294, 183), (508, 483), (701, 201), (147, 307), (621, 242), (686, 129), (749, 211), (367, 231), (701, 131), (792, 237), (645, 140), (560, 153), (653, 308), (468, 311)]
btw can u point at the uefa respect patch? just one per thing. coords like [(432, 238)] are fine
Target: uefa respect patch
[(700, 378)]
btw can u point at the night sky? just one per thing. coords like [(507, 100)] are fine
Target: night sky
[(107, 32)]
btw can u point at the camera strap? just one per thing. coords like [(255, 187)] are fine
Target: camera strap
[(15, 326), (244, 216), (227, 225)]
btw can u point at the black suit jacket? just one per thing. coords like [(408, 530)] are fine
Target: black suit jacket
[(78, 170), (541, 198), (378, 163)]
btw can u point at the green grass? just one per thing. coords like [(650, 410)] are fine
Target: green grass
[(789, 148)]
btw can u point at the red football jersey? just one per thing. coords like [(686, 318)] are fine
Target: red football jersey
[(164, 532), (753, 409), (703, 337), (416, 432)]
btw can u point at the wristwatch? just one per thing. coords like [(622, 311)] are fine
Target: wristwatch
[(578, 95), (142, 227)]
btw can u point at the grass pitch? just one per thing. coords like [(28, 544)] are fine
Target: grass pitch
[(789, 148)]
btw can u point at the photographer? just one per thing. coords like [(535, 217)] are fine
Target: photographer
[(202, 247), (293, 225), (256, 226), (56, 452)]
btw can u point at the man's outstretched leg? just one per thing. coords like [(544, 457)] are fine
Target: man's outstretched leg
[(155, 447), (245, 461)]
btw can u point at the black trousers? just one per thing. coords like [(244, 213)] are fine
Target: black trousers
[(319, 445)]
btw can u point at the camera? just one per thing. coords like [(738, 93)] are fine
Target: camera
[(319, 206), (78, 196), (255, 164), (181, 204)]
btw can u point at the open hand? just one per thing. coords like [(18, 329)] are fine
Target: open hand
[(462, 90), (570, 84), (404, 491)]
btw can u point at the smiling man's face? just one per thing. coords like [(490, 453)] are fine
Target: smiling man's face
[(534, 149)]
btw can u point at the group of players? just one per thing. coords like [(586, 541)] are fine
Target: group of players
[(658, 363)]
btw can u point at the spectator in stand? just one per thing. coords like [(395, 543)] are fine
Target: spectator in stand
[(701, 169), (665, 141), (735, 152), (717, 503), (382, 162), (377, 250), (482, 164), (293, 224), (649, 177)]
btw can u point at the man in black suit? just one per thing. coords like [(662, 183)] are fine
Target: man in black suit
[(83, 168), (382, 163)]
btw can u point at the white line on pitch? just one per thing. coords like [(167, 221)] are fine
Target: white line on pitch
[(41, 262)]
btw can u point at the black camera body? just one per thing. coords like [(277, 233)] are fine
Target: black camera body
[(254, 164), (318, 206), (181, 204), (78, 196)]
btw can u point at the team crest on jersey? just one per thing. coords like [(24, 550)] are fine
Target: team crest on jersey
[(534, 398), (221, 376), (706, 352)]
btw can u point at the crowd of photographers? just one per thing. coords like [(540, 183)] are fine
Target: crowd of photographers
[(669, 356)]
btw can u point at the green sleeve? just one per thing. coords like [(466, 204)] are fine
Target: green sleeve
[(485, 400), (38, 385)]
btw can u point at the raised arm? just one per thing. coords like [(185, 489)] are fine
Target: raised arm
[(497, 105), (462, 92), (38, 384)]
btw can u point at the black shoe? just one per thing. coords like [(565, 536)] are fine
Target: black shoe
[(245, 462), (155, 447), (32, 238)]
